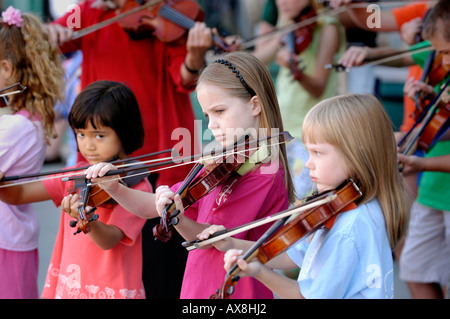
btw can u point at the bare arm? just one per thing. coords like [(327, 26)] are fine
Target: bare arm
[(414, 164), (198, 42), (24, 193)]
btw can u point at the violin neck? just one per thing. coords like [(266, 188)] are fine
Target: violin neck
[(253, 251), (175, 16)]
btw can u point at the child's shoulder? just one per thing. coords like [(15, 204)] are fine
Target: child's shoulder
[(365, 219), (18, 125)]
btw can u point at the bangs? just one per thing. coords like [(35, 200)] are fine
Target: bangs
[(319, 125), (95, 112), (109, 104)]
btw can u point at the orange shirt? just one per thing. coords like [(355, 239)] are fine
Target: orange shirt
[(403, 15), (80, 269)]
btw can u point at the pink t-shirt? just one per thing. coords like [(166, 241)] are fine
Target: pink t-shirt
[(252, 196), (22, 151), (80, 269)]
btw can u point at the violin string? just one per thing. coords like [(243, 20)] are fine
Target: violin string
[(239, 229), (100, 25), (329, 12), (75, 173), (241, 152), (424, 120), (173, 15), (172, 166)]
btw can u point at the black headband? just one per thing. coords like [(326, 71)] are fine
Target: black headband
[(238, 75)]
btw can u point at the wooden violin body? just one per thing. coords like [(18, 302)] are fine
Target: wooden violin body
[(438, 125), (168, 21), (153, 21), (299, 39), (433, 73), (428, 128), (195, 187), (279, 238), (93, 196)]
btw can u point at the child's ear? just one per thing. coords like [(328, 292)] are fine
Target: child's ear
[(256, 105), (6, 69)]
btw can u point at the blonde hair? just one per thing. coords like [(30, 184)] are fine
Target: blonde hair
[(257, 80), (359, 128), (36, 64)]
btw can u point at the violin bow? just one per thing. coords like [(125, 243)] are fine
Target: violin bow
[(192, 158), (19, 86), (100, 25), (380, 60), (286, 213), (231, 277), (320, 15), (76, 169)]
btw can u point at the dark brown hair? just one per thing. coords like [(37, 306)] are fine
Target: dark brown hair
[(110, 104), (438, 15)]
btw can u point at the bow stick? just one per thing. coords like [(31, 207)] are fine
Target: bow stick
[(286, 213), (100, 25), (190, 159), (76, 169)]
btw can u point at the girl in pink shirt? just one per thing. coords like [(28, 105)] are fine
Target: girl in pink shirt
[(106, 262), (237, 95), (26, 126)]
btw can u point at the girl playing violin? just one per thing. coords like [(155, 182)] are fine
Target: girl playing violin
[(347, 137), (237, 96), (107, 262), (26, 127), (302, 81)]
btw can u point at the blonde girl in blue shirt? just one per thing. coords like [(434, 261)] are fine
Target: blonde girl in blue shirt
[(347, 137)]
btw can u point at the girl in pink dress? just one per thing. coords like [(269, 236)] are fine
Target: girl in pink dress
[(106, 262)]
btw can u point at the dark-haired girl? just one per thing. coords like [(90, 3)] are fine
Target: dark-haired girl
[(107, 261)]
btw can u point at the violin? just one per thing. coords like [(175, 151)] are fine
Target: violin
[(279, 237), (299, 206), (195, 187), (428, 128), (91, 195), (433, 73), (299, 39), (222, 170), (379, 59), (167, 20)]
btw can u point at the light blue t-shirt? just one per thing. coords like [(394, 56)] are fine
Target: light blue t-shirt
[(352, 260)]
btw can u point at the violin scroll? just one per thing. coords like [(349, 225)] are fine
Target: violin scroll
[(91, 195), (82, 224)]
